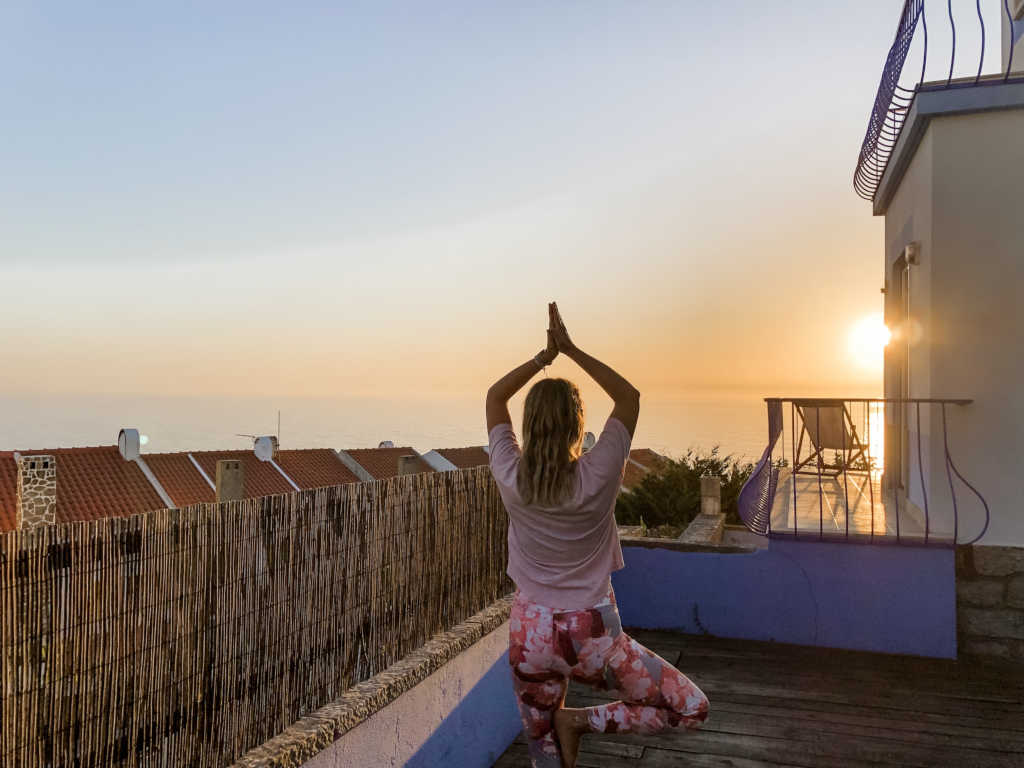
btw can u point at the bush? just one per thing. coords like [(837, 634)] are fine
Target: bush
[(670, 493)]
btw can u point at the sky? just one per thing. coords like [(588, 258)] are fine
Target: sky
[(310, 199)]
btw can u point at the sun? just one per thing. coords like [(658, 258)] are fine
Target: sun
[(867, 339)]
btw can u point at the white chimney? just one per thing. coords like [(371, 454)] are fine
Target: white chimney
[(386, 444), (128, 444)]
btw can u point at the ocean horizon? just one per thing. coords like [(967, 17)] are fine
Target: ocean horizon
[(735, 422)]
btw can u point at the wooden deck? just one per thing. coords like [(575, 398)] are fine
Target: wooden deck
[(855, 503), (778, 705)]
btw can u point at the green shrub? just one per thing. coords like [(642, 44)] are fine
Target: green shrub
[(670, 493)]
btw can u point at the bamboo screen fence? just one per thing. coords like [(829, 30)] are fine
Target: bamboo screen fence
[(185, 637)]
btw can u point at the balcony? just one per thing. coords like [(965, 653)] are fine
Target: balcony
[(932, 54), (874, 470)]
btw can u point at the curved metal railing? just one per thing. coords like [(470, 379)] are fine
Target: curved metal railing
[(850, 430), (893, 101)]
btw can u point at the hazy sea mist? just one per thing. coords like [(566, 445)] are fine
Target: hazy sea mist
[(735, 421)]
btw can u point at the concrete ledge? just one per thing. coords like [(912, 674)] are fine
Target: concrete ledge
[(705, 528), (313, 734), (682, 546)]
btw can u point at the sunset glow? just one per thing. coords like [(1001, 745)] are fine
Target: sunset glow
[(867, 340)]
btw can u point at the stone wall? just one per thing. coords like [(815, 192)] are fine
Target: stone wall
[(990, 602), (37, 491)]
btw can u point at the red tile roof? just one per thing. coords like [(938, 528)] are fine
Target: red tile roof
[(383, 462), (315, 467), (465, 458), (261, 478), (632, 476), (92, 484), (646, 457), (180, 478), (8, 491), (647, 460)]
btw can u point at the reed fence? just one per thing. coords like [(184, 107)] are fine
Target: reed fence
[(185, 637)]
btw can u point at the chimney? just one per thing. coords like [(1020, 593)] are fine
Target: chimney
[(230, 480), (265, 448), (710, 495), (37, 491), (409, 465)]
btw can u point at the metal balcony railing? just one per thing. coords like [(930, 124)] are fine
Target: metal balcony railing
[(871, 469), (893, 100)]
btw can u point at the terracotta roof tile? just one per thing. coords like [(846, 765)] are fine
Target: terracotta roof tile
[(315, 467), (633, 475), (383, 462), (8, 491), (180, 478), (96, 483), (261, 478), (465, 458), (646, 457), (92, 484)]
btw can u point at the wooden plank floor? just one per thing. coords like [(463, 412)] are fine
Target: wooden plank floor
[(856, 501), (781, 705)]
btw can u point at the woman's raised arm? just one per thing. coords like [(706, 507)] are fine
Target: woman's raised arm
[(502, 390), (625, 396)]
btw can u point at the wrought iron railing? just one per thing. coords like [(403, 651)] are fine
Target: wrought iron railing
[(893, 100), (860, 470)]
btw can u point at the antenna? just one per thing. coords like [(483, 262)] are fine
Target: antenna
[(278, 426)]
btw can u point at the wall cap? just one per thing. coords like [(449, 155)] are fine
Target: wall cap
[(310, 735)]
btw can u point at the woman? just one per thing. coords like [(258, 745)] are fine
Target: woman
[(563, 545)]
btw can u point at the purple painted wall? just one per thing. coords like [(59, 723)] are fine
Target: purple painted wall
[(893, 599)]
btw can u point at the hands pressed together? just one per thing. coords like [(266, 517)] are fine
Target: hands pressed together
[(558, 337)]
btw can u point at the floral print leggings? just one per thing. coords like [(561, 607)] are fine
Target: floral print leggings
[(547, 647)]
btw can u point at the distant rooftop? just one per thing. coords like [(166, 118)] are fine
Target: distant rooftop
[(466, 458), (98, 482), (382, 463)]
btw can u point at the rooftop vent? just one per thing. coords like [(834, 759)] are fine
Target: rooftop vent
[(386, 444), (265, 447), (128, 444)]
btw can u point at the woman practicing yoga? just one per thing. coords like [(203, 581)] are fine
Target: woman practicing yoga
[(562, 548)]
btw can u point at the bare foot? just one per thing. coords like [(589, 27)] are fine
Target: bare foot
[(568, 733)]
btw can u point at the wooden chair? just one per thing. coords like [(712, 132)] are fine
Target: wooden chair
[(828, 426)]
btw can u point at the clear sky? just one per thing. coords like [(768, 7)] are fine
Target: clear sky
[(316, 198)]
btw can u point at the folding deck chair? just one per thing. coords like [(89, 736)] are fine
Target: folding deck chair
[(828, 426)]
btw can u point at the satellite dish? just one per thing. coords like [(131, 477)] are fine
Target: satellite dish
[(588, 441), (128, 444), (265, 447), (386, 444)]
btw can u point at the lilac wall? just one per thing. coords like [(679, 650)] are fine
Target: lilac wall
[(894, 599)]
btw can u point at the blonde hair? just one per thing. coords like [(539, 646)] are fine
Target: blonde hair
[(552, 442)]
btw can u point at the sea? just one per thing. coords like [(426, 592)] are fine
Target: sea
[(735, 422)]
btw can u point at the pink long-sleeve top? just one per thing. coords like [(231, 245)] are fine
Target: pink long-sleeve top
[(563, 556)]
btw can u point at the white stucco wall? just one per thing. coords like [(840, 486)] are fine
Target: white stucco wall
[(909, 220), (963, 199), (463, 714), (1018, 50)]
